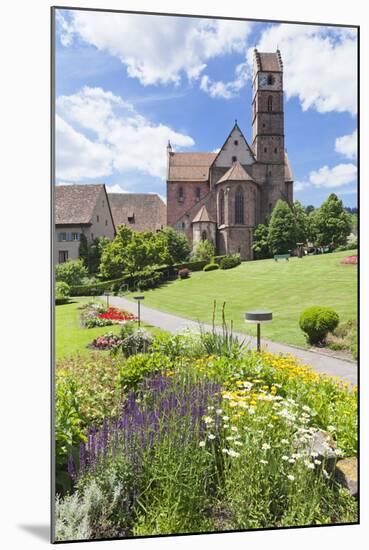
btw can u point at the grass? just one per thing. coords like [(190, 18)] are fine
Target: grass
[(72, 339), (285, 287)]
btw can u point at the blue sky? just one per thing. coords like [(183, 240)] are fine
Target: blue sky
[(125, 84)]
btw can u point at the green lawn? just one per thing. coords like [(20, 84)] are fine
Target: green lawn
[(285, 287), (71, 338)]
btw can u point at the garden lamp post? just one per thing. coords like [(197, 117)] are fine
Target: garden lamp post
[(258, 317), (107, 294), (139, 298)]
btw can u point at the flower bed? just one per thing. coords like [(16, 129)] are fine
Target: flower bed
[(209, 443), (98, 315), (115, 314), (108, 341), (350, 260)]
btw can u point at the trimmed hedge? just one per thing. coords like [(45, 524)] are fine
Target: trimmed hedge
[(227, 262), (211, 267), (145, 279), (317, 321), (98, 288)]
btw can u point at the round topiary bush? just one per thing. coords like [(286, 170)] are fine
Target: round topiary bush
[(211, 267), (317, 321), (230, 261)]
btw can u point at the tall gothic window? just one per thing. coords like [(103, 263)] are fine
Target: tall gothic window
[(270, 103), (221, 207), (204, 236), (239, 218)]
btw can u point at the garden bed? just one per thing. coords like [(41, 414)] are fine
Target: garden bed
[(179, 439)]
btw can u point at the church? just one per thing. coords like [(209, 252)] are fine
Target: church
[(223, 196)]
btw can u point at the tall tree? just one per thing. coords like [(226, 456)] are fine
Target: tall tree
[(177, 244), (332, 224), (260, 245), (302, 223), (282, 229)]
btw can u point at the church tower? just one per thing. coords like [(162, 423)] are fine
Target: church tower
[(267, 108)]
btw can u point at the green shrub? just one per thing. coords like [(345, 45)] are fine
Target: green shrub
[(211, 267), (62, 291), (349, 246), (137, 342), (99, 288), (127, 329), (204, 250), (317, 321), (71, 272), (147, 278), (230, 261), (197, 265), (138, 366)]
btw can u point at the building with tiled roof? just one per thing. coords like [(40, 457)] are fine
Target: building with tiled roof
[(222, 196), (140, 211), (80, 209)]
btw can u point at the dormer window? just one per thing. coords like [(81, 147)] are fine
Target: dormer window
[(236, 142)]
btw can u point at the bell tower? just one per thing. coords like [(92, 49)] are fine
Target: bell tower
[(267, 108)]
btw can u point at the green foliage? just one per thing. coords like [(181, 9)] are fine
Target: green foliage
[(96, 289), (331, 223), (177, 245), (134, 370), (205, 250), (260, 245), (138, 341), (68, 426), (62, 291), (282, 229), (147, 278), (172, 345), (302, 221), (127, 329), (71, 272), (132, 251), (83, 249), (95, 251), (220, 343), (230, 261), (344, 337), (98, 509), (351, 245), (196, 265), (211, 267), (317, 321)]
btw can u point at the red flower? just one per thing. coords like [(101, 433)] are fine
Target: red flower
[(115, 314)]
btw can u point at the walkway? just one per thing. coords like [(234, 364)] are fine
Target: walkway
[(321, 363)]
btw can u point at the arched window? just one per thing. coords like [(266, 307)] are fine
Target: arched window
[(270, 80), (239, 218), (204, 236), (221, 208), (180, 194), (270, 103)]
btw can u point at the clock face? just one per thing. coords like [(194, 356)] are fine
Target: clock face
[(263, 80)]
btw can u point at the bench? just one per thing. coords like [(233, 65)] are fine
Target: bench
[(281, 257)]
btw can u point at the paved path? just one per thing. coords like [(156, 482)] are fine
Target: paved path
[(320, 362)]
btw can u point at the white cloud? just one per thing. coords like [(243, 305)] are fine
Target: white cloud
[(77, 157), (157, 49), (226, 90), (115, 188), (119, 138), (299, 186), (347, 145), (339, 175), (320, 65)]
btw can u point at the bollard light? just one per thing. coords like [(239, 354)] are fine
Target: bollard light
[(139, 299), (107, 294), (258, 317)]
